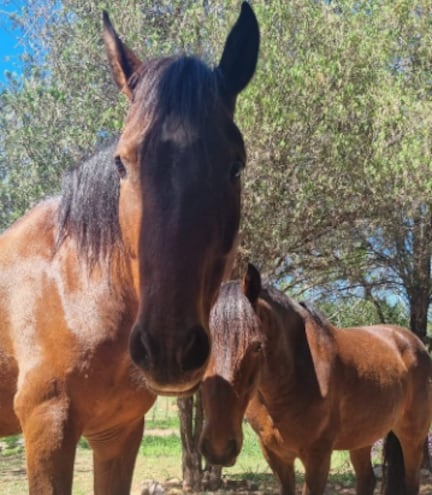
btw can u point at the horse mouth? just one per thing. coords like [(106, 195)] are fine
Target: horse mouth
[(216, 461), (229, 463), (181, 390), (225, 457)]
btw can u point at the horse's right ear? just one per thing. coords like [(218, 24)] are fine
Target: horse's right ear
[(239, 57), (251, 284), (122, 59)]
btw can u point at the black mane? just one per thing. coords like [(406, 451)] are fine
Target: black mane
[(316, 314), (88, 209)]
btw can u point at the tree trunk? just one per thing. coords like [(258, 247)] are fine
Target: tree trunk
[(419, 288), (212, 479), (419, 305), (195, 478)]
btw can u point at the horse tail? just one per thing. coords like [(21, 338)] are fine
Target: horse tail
[(393, 478)]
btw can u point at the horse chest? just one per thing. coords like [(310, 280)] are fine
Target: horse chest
[(285, 422)]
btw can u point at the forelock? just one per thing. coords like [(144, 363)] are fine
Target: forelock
[(233, 325)]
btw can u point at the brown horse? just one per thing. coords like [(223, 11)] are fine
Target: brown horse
[(139, 239), (309, 388)]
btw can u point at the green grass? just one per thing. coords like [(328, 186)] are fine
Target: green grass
[(12, 445), (161, 446)]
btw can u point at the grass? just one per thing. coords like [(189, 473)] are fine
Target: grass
[(159, 458)]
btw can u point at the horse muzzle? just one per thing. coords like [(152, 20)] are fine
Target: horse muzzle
[(224, 455), (174, 369)]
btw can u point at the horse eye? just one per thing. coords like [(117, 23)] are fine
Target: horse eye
[(121, 169), (257, 347), (235, 170)]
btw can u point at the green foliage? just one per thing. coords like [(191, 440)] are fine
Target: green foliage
[(12, 446), (353, 312), (83, 443)]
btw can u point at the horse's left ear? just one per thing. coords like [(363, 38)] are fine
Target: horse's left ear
[(239, 57), (122, 59), (322, 349), (251, 284)]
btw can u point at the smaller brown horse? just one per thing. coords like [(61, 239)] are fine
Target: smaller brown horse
[(309, 388)]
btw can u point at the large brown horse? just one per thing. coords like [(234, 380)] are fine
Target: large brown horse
[(129, 257), (309, 388)]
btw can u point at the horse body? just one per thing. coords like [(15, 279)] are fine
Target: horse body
[(314, 388), (64, 358), (105, 291)]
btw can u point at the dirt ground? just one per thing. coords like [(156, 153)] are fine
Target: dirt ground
[(267, 486), (13, 481)]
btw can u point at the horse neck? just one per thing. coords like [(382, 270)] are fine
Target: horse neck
[(283, 334), (116, 275), (123, 274)]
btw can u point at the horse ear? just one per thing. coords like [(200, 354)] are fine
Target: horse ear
[(122, 59), (239, 57), (322, 349), (251, 284)]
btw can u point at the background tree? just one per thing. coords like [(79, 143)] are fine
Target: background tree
[(338, 191)]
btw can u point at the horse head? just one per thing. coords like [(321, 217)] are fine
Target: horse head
[(179, 158), (233, 372)]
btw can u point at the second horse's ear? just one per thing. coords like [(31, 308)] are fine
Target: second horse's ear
[(240, 55), (251, 284), (323, 351), (122, 59)]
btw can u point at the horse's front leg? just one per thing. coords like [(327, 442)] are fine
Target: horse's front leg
[(317, 465), (114, 454), (283, 468), (365, 476), (50, 436)]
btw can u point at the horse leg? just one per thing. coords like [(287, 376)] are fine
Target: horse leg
[(317, 466), (50, 443), (114, 454), (413, 457), (365, 477), (283, 470)]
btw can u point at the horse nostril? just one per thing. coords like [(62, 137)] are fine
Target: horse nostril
[(195, 350), (139, 349)]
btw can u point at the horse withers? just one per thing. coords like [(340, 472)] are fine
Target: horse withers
[(309, 388), (128, 258)]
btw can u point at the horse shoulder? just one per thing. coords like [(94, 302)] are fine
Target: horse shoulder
[(49, 301)]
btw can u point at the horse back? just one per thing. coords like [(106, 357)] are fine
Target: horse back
[(382, 350), (31, 235)]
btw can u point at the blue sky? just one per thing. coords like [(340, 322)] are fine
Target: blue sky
[(10, 49)]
